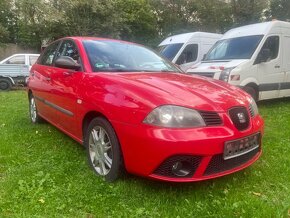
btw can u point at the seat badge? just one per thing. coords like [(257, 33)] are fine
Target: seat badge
[(241, 117), (79, 101)]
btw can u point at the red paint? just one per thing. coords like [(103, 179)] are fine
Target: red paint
[(126, 98)]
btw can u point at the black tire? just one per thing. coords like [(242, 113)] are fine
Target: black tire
[(5, 84), (253, 92), (33, 113), (101, 155)]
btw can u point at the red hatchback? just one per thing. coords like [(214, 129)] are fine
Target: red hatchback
[(135, 111)]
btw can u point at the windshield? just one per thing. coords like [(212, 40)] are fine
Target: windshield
[(117, 56), (234, 48), (170, 51)]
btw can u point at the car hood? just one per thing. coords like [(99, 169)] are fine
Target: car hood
[(216, 65), (180, 89)]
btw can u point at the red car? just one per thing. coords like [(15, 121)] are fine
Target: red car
[(137, 112)]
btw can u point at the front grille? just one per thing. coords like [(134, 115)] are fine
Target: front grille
[(217, 164), (240, 117), (211, 118), (251, 110), (206, 74), (165, 169)]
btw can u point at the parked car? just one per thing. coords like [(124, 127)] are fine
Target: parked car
[(15, 69), (187, 49), (134, 110), (255, 57)]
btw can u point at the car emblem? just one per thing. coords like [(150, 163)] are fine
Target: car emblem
[(241, 117)]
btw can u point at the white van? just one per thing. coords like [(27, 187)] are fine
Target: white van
[(187, 49), (255, 57)]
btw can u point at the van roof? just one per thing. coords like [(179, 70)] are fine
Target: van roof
[(255, 29), (182, 38)]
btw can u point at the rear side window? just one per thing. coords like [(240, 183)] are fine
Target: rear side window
[(20, 59), (272, 43), (32, 60), (48, 55), (188, 55), (69, 49)]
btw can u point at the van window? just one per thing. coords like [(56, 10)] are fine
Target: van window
[(188, 55), (48, 55), (170, 51), (19, 59), (272, 43), (234, 48)]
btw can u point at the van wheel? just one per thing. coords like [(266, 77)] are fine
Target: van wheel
[(5, 84), (253, 92), (103, 149)]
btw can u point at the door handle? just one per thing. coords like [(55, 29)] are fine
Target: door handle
[(277, 66), (47, 79), (67, 73)]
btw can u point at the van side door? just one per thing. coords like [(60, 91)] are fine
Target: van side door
[(269, 67), (285, 88)]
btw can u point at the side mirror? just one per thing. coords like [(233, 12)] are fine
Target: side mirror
[(67, 63), (263, 56), (203, 57)]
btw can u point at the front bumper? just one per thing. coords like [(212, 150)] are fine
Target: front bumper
[(145, 148)]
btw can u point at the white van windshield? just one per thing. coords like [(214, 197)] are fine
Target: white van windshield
[(170, 51), (234, 48)]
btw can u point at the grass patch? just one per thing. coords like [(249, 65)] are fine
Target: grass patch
[(44, 173)]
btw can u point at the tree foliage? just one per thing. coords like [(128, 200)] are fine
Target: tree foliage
[(32, 22)]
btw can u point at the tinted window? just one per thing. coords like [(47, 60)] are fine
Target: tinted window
[(272, 43), (32, 60), (20, 59), (234, 48), (188, 55), (69, 49), (48, 55), (116, 56), (170, 51)]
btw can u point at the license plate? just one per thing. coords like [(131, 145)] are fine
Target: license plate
[(242, 146)]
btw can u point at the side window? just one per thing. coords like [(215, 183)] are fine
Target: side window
[(69, 49), (189, 54), (272, 43), (32, 60), (48, 55), (20, 59)]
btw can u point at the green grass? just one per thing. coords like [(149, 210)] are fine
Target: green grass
[(44, 173)]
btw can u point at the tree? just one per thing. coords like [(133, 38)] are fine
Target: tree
[(247, 11), (279, 9)]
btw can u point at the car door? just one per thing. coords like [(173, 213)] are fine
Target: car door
[(65, 88), (270, 73), (40, 81)]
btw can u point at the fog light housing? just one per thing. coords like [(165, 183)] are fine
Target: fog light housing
[(181, 168)]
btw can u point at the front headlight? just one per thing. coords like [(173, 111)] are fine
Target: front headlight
[(174, 117), (225, 74), (253, 107)]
